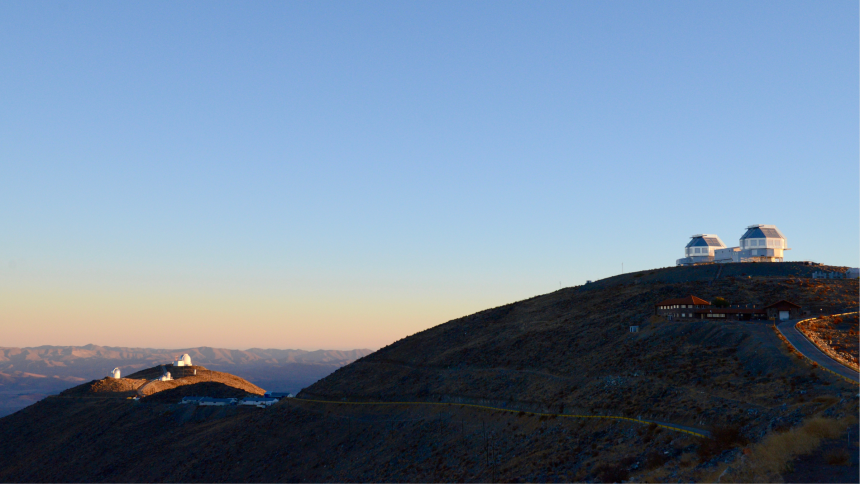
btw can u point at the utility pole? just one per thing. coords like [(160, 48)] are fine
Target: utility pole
[(486, 443), (494, 457)]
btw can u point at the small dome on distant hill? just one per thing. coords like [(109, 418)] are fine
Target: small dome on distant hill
[(184, 361), (115, 373)]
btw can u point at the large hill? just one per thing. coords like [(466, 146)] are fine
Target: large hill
[(29, 374), (569, 352)]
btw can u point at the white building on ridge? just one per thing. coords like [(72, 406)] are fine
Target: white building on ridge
[(760, 243), (217, 402), (261, 402), (184, 361), (115, 373), (701, 248)]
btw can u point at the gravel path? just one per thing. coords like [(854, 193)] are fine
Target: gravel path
[(806, 348)]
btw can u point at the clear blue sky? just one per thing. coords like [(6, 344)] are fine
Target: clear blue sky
[(343, 174)]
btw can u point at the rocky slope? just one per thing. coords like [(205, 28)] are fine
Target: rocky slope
[(565, 352), (837, 336)]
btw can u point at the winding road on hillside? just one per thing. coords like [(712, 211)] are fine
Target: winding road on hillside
[(789, 329), (671, 426)]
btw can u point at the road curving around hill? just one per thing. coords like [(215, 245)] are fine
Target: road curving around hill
[(670, 426), (796, 338)]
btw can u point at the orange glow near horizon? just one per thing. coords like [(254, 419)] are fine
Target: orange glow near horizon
[(35, 316)]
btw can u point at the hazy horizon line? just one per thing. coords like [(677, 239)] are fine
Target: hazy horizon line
[(183, 348)]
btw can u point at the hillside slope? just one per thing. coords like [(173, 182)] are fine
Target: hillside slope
[(569, 351), (573, 349), (29, 374)]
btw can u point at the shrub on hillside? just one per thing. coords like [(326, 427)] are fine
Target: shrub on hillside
[(838, 457), (612, 473), (721, 439), (720, 302), (655, 459)]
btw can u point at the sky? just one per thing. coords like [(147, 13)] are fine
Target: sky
[(341, 175)]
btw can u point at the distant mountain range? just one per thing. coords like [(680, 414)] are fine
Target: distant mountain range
[(29, 374)]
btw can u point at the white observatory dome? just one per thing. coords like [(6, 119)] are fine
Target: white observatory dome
[(184, 361), (115, 373)]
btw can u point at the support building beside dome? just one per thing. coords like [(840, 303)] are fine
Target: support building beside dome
[(760, 243)]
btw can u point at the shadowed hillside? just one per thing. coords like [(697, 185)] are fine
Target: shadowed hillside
[(572, 349), (568, 352), (29, 374)]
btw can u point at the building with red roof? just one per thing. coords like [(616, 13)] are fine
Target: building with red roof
[(693, 308)]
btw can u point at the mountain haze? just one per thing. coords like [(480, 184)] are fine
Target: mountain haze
[(29, 374)]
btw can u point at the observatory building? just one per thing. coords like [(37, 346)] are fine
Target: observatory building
[(184, 361), (115, 373), (700, 249), (760, 243)]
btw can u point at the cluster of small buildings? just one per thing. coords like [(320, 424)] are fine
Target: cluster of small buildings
[(760, 243), (692, 308), (851, 273), (259, 402), (184, 360), (254, 401)]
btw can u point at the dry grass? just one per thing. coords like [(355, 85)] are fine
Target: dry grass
[(769, 458), (836, 336), (203, 377), (106, 387)]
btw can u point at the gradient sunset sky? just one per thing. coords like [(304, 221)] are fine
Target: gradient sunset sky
[(343, 174)]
